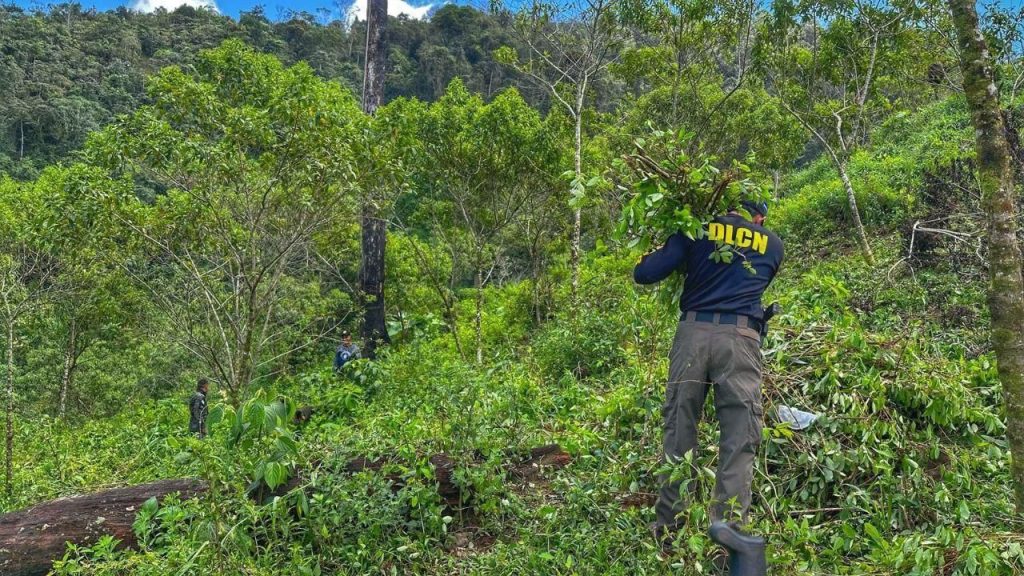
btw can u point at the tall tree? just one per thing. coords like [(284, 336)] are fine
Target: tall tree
[(696, 72), (829, 78), (374, 236), (569, 47), (98, 303), (996, 179), (697, 47), (487, 165), (27, 274), (254, 160)]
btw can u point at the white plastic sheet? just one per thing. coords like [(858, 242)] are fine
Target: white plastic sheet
[(797, 419)]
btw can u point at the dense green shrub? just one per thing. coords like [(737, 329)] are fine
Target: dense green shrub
[(587, 348), (820, 209), (887, 178)]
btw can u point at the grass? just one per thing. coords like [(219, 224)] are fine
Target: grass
[(905, 473)]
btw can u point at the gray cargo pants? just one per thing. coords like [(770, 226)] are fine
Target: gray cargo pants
[(727, 357)]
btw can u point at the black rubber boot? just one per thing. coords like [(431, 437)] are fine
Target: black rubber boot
[(665, 538), (747, 555)]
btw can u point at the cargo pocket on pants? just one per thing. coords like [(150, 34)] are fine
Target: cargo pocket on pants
[(668, 409), (756, 423)]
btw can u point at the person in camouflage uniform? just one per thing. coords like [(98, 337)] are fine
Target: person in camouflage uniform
[(197, 409)]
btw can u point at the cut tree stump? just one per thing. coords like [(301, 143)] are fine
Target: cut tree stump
[(550, 456), (443, 468), (31, 539)]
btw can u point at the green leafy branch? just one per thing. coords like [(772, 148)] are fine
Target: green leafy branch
[(667, 189)]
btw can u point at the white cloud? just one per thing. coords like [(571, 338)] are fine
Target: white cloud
[(148, 6), (357, 11)]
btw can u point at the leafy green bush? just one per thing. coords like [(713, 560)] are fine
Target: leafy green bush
[(886, 178), (507, 314), (820, 209), (589, 347)]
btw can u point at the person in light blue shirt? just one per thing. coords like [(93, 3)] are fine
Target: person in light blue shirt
[(346, 351)]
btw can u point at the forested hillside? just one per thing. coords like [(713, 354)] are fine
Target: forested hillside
[(69, 70), (192, 200)]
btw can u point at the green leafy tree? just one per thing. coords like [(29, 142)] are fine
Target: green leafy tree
[(98, 302), (486, 165), (568, 48), (838, 81), (695, 72), (252, 160), (699, 56), (28, 274)]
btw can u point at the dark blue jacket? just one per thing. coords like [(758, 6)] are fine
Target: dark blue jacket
[(716, 286)]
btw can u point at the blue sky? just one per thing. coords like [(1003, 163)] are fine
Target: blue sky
[(331, 9), (275, 9)]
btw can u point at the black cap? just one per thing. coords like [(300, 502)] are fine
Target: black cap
[(345, 333), (755, 207)]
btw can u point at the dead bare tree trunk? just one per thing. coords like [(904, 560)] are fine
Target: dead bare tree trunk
[(374, 228), (995, 175)]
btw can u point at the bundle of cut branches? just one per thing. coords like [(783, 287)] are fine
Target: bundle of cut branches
[(668, 189)]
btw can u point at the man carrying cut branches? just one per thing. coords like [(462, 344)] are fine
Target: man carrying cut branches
[(717, 344)]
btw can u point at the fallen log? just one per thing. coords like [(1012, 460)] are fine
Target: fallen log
[(31, 539)]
